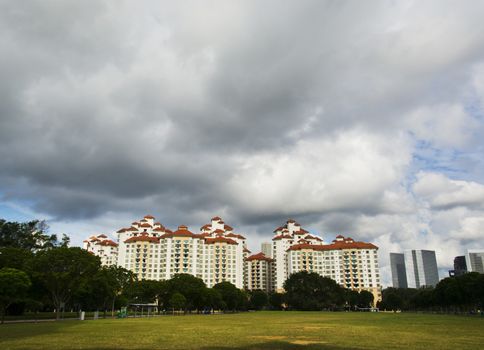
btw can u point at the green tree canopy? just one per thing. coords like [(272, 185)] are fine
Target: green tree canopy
[(178, 301), (213, 299), (26, 235), (16, 258), (230, 294), (365, 299), (14, 285), (63, 271), (258, 299), (191, 287), (310, 291)]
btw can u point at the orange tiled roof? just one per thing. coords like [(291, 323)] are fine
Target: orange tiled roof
[(334, 246), (142, 238), (259, 256), (108, 242), (235, 235), (281, 237), (219, 240), (181, 232)]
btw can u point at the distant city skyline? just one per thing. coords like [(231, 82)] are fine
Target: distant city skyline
[(415, 268)]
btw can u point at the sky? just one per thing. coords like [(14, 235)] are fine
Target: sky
[(361, 118)]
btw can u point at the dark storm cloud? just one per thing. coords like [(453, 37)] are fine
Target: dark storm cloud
[(253, 111)]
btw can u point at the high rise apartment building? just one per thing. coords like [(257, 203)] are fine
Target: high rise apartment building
[(259, 272), (103, 247), (351, 264), (152, 251), (217, 254)]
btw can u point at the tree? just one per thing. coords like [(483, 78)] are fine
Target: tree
[(351, 298), (258, 299), (177, 301), (191, 287), (16, 258), (310, 291), (65, 241), (230, 294), (144, 291), (448, 293), (64, 271), (26, 235), (392, 301), (276, 300), (14, 285), (213, 299), (365, 299)]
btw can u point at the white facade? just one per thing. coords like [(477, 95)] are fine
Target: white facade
[(217, 254), (353, 265), (259, 272), (284, 237), (151, 251), (102, 246)]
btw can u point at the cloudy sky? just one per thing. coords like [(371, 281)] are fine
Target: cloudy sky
[(360, 118)]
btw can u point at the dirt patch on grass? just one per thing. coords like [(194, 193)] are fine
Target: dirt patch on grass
[(307, 342), (270, 337)]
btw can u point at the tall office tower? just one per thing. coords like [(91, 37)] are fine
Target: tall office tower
[(475, 260), (460, 266), (399, 274), (421, 266), (266, 249), (259, 272)]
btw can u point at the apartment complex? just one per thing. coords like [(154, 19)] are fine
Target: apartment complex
[(414, 269), (217, 254), (352, 264), (152, 251), (259, 272), (103, 247)]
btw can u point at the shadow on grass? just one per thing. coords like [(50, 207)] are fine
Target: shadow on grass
[(275, 345), (10, 331)]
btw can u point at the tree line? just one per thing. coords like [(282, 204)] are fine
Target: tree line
[(460, 294)]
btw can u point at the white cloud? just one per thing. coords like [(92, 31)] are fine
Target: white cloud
[(441, 192), (350, 170)]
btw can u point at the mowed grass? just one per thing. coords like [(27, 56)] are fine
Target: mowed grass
[(255, 330)]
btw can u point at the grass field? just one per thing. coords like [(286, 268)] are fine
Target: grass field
[(257, 330)]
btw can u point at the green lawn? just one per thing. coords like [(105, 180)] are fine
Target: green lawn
[(255, 330)]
